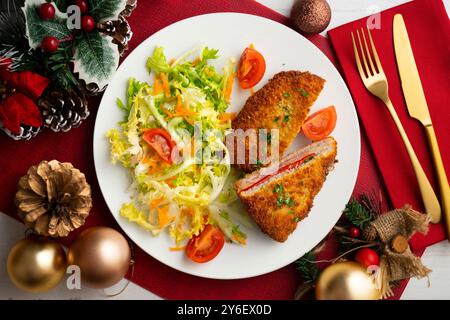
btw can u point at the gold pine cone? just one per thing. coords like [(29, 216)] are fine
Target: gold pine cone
[(53, 198)]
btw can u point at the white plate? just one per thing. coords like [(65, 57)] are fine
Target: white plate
[(283, 49)]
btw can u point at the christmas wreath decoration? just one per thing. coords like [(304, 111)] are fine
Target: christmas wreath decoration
[(53, 55), (373, 245)]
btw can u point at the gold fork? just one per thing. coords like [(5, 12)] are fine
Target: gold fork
[(375, 81)]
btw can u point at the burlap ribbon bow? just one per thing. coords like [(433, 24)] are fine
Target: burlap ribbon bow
[(394, 229)]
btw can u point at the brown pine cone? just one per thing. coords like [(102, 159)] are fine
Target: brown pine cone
[(63, 110), (131, 5), (53, 198), (26, 132), (119, 30)]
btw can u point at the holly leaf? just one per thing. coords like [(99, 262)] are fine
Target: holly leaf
[(102, 10), (96, 58), (37, 29)]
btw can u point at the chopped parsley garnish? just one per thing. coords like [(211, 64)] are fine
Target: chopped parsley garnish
[(283, 197), (269, 137), (258, 162), (280, 201), (303, 92), (286, 94), (291, 211), (278, 188), (286, 119), (289, 201), (296, 219), (276, 119)]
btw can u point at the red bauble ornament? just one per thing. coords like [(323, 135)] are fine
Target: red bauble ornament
[(367, 257), (50, 44), (88, 23), (83, 5), (354, 232), (47, 11)]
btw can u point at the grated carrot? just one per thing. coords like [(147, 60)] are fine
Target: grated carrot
[(156, 202), (157, 86), (227, 116), (228, 88), (240, 240), (163, 216), (170, 181), (165, 84), (182, 248), (196, 61)]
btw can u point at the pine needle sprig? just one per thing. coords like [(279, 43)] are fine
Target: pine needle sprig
[(358, 214), (307, 267)]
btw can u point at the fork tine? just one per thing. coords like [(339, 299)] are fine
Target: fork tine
[(358, 61), (375, 54), (369, 56), (361, 49)]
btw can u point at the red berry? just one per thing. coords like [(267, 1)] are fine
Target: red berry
[(367, 257), (83, 5), (354, 232), (47, 11), (88, 23), (50, 44)]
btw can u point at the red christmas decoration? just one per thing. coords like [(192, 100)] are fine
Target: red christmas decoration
[(88, 23), (83, 5), (367, 257), (50, 44), (19, 93), (47, 11), (354, 232)]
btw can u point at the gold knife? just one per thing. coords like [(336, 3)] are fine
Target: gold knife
[(418, 108)]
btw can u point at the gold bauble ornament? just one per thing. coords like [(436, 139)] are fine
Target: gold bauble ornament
[(36, 264), (103, 256), (346, 281)]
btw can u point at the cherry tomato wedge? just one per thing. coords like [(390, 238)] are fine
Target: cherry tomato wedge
[(206, 246), (320, 124), (251, 68), (161, 142)]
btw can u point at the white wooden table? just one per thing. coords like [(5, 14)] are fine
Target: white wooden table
[(436, 257)]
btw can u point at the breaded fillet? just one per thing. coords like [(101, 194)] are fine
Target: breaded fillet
[(283, 103), (279, 200)]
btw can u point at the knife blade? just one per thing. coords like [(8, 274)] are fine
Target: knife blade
[(409, 75), (418, 108)]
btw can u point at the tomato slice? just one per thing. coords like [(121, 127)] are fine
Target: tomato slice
[(320, 124), (206, 246), (161, 142), (282, 169), (251, 68)]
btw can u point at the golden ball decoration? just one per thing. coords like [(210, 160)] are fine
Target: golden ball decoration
[(346, 281), (311, 16), (103, 256), (36, 264)]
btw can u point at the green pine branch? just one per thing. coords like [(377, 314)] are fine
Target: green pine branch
[(307, 267)]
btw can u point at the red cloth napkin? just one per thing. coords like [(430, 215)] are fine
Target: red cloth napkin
[(76, 147), (429, 29)]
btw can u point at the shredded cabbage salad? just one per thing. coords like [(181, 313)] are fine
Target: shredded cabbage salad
[(187, 97)]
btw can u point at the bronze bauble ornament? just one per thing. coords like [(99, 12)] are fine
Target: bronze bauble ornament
[(346, 281), (103, 256), (36, 264), (311, 16)]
